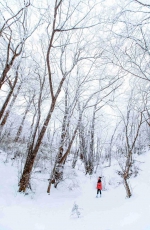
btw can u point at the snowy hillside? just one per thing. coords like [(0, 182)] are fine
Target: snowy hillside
[(40, 211)]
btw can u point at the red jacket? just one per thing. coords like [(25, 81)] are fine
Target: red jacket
[(99, 185)]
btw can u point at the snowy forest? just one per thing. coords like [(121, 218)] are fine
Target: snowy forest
[(74, 98), (74, 91)]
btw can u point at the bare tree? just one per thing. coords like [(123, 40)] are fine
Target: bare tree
[(58, 40), (126, 142), (9, 95), (12, 42), (19, 131)]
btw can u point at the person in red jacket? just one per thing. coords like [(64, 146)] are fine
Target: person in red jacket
[(99, 186)]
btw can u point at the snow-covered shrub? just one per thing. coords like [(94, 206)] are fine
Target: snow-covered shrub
[(70, 179), (76, 211)]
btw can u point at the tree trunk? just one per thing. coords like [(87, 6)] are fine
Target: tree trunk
[(24, 181), (57, 173), (10, 106), (60, 165), (22, 123), (75, 158), (128, 191), (8, 96), (51, 178), (10, 63)]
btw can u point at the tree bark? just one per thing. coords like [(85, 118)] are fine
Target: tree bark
[(10, 106), (128, 191), (9, 96), (24, 181), (22, 123)]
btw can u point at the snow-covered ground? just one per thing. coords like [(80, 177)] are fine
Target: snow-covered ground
[(39, 211)]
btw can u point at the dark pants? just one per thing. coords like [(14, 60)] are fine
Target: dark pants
[(98, 191)]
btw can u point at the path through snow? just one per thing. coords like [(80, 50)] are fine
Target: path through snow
[(110, 212)]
